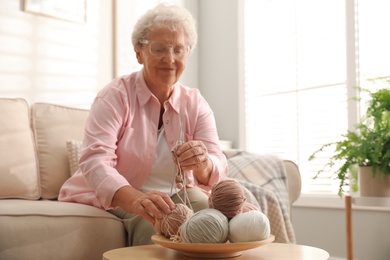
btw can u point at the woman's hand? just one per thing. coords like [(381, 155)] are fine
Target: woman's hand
[(149, 205), (193, 156)]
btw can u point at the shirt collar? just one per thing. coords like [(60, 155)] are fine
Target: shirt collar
[(144, 94), (174, 99)]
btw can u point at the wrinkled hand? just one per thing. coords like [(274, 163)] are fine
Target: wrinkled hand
[(152, 205), (149, 205), (192, 156)]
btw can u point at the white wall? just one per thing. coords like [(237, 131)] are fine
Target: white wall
[(49, 60), (325, 227), (219, 64)]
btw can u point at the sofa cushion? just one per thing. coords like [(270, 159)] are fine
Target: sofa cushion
[(53, 125), (57, 230), (18, 168)]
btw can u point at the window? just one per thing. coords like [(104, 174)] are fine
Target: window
[(302, 61)]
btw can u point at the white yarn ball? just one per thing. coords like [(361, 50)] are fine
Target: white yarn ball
[(206, 226), (249, 226)]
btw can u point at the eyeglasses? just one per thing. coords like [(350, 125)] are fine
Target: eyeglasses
[(160, 50)]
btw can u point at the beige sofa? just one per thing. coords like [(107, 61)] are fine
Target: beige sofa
[(35, 161)]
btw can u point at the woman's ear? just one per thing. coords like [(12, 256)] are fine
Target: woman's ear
[(138, 55)]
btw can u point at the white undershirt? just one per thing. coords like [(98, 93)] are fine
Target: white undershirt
[(163, 170)]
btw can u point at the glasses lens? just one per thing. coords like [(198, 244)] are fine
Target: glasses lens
[(159, 49)]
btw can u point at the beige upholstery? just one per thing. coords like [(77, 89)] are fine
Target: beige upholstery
[(33, 166), (53, 125), (293, 180), (19, 177), (56, 230)]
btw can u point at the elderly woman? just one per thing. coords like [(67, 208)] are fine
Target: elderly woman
[(127, 164)]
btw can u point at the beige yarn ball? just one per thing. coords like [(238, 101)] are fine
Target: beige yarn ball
[(249, 226), (248, 207), (169, 225), (206, 226)]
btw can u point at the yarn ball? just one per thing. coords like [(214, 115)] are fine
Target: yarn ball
[(206, 226), (248, 207), (249, 226), (228, 197), (169, 225)]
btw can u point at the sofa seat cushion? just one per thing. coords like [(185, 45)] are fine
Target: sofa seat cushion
[(19, 176), (57, 230)]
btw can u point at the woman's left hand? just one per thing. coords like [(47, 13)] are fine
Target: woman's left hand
[(193, 155)]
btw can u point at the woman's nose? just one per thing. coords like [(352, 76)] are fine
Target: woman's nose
[(169, 56)]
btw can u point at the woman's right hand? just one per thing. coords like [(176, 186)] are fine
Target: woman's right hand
[(149, 205)]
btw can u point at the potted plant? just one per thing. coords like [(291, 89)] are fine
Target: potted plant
[(367, 147)]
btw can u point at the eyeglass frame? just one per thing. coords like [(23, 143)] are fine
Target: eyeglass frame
[(172, 48)]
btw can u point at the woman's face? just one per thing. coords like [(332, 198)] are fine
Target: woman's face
[(162, 68)]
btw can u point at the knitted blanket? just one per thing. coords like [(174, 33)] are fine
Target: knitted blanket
[(265, 177)]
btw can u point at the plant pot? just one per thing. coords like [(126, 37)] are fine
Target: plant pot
[(369, 186)]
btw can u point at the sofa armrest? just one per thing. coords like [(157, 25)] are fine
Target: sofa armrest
[(293, 180)]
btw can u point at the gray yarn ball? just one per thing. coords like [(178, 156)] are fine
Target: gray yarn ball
[(206, 226)]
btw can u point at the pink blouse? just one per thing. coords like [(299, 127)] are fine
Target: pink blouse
[(121, 136)]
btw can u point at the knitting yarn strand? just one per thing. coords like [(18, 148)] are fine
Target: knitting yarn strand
[(179, 180)]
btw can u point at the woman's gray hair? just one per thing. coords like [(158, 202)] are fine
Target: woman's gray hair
[(165, 16)]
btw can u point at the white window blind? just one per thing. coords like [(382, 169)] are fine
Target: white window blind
[(296, 75), (374, 40)]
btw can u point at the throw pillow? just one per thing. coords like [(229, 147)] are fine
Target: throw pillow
[(74, 149)]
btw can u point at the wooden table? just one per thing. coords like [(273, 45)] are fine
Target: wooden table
[(270, 251)]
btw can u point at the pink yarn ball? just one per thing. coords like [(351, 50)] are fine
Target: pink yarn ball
[(248, 207), (169, 225), (228, 197)]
